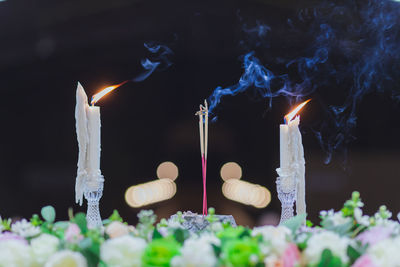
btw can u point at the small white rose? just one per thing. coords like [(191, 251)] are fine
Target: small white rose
[(385, 252), (326, 240), (66, 258), (43, 247), (124, 251), (117, 229), (197, 251), (272, 261), (14, 253), (275, 239)]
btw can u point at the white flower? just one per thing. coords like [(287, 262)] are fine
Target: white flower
[(25, 228), (386, 252), (174, 224), (253, 259), (117, 229), (326, 240), (272, 261), (323, 213), (14, 253), (216, 227), (338, 219), (276, 237), (43, 247), (124, 251), (197, 252), (360, 218), (335, 217), (66, 258), (388, 224)]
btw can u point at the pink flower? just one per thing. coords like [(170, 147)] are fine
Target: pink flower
[(364, 261), (73, 233), (10, 236), (374, 235), (291, 255)]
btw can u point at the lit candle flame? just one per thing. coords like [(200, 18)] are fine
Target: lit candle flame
[(294, 112), (105, 91)]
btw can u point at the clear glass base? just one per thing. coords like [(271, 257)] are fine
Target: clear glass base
[(93, 211), (287, 193)]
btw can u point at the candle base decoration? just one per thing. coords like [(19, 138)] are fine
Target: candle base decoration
[(287, 193), (93, 196)]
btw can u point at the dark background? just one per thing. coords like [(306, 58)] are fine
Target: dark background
[(46, 47)]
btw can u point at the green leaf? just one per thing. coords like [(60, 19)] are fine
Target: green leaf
[(35, 220), (61, 224), (329, 260), (92, 259), (180, 235), (156, 234), (47, 228), (115, 216), (296, 222), (90, 248), (309, 223), (85, 243), (217, 250), (48, 214), (106, 221), (353, 253), (342, 229), (245, 233), (6, 223), (80, 220)]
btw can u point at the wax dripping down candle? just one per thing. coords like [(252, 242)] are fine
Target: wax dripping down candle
[(203, 128), (88, 133), (292, 169)]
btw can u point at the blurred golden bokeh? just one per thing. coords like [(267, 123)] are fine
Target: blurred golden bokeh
[(246, 193), (151, 192), (168, 170), (231, 170)]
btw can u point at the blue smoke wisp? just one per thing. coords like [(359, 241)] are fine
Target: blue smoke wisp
[(160, 59), (349, 45)]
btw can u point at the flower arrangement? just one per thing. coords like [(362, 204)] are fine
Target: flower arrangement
[(343, 238)]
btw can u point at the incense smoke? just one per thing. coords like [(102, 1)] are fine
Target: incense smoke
[(160, 59), (347, 44)]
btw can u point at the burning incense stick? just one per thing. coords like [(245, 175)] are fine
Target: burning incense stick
[(203, 128)]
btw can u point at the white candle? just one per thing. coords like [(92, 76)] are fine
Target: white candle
[(292, 158), (284, 146), (287, 151), (298, 159), (93, 153), (88, 135), (83, 140)]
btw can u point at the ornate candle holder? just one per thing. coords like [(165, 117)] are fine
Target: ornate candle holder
[(93, 192), (287, 193), (196, 222)]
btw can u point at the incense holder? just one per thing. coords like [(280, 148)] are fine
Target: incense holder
[(195, 222)]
